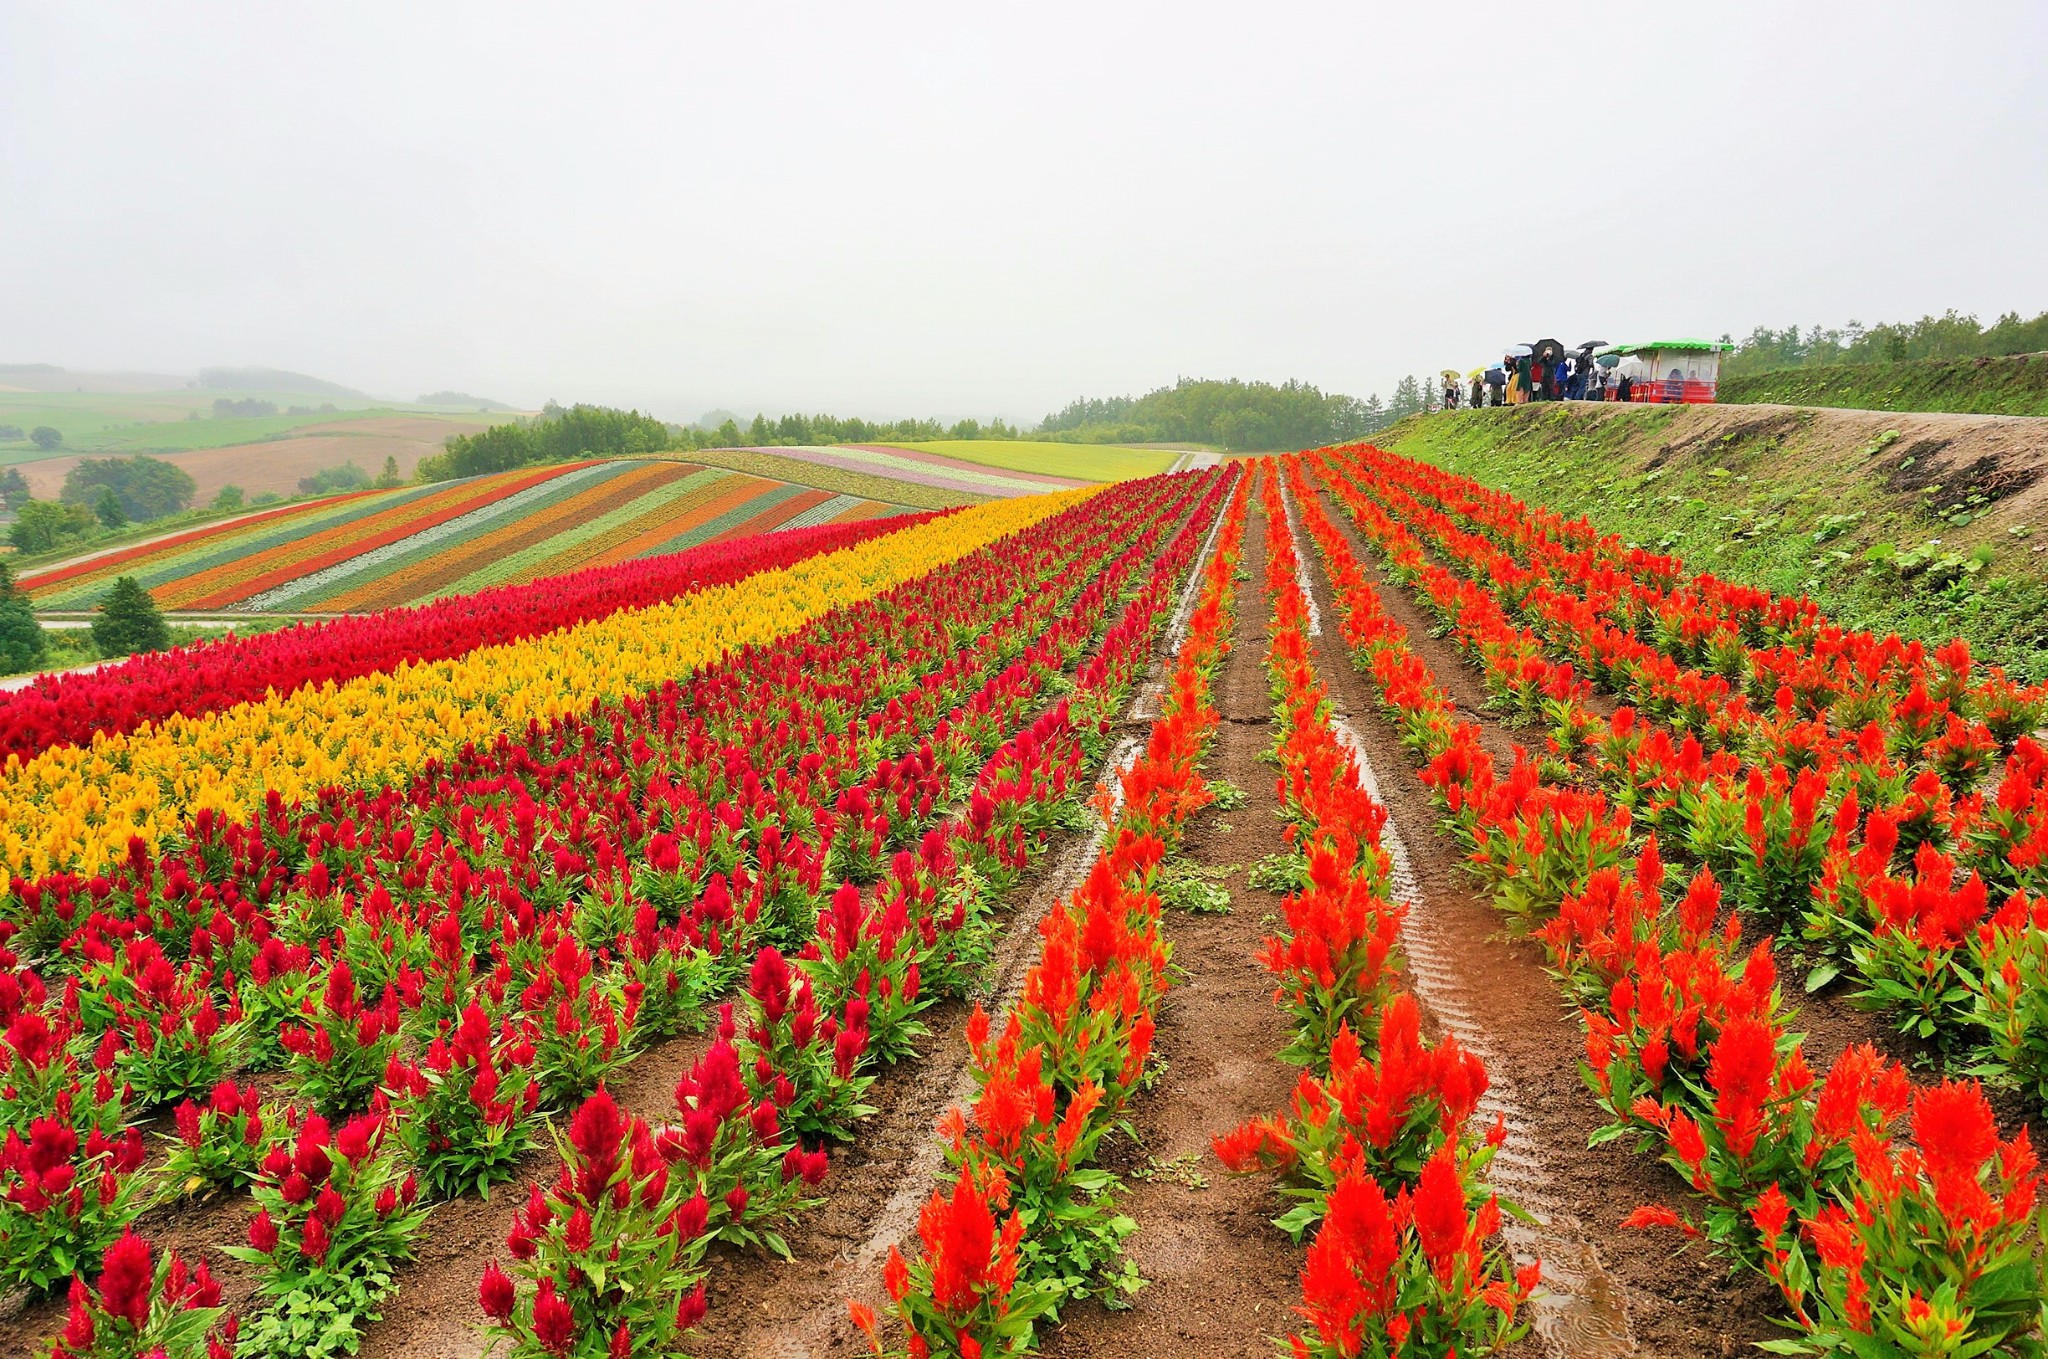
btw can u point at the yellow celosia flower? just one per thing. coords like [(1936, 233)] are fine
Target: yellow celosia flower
[(75, 808)]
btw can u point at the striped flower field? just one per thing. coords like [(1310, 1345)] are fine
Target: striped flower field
[(767, 948), (381, 549)]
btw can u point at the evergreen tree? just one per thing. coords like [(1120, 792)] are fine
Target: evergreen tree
[(106, 507), (1407, 400), (21, 636), (129, 621)]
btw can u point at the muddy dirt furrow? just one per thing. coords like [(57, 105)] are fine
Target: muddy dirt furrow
[(1631, 1293), (1222, 1277)]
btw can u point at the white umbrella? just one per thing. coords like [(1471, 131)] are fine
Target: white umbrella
[(1518, 351)]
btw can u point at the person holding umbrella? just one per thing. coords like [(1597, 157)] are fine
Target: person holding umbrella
[(1587, 380), (1476, 397), (1497, 384)]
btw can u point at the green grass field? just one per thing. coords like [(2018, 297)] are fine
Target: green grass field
[(1083, 462), (159, 422)]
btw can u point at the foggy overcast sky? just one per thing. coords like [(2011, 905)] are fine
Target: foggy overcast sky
[(893, 209)]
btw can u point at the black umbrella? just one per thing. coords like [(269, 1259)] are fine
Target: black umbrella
[(1548, 351), (1592, 344)]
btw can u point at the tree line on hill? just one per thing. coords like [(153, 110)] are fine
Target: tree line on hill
[(1948, 336), (1232, 414), (1240, 416), (557, 434)]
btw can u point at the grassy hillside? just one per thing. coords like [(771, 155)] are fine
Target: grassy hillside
[(1083, 462), (1986, 386), (1931, 526)]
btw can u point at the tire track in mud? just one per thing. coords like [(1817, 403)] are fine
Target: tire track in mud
[(1613, 1292), (1582, 1310)]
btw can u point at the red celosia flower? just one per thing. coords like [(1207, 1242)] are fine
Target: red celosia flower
[(1439, 1210), (126, 1279), (495, 1293), (554, 1321), (1653, 1215)]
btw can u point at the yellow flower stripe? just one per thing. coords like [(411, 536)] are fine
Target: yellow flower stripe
[(75, 807)]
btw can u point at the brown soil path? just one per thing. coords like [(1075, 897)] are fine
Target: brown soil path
[(1222, 1278)]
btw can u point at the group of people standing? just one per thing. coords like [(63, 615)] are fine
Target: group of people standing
[(1537, 376)]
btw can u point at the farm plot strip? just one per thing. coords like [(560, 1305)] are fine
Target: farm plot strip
[(589, 488), (70, 807), (1689, 1046), (926, 469), (195, 680), (731, 514), (757, 502), (429, 561), (250, 576), (62, 586), (597, 541)]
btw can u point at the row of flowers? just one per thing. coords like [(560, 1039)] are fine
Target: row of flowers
[(1377, 1147), (1879, 1243), (1027, 1223), (1903, 897), (538, 892), (78, 808), (203, 678)]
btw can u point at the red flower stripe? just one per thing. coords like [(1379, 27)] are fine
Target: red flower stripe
[(209, 676)]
